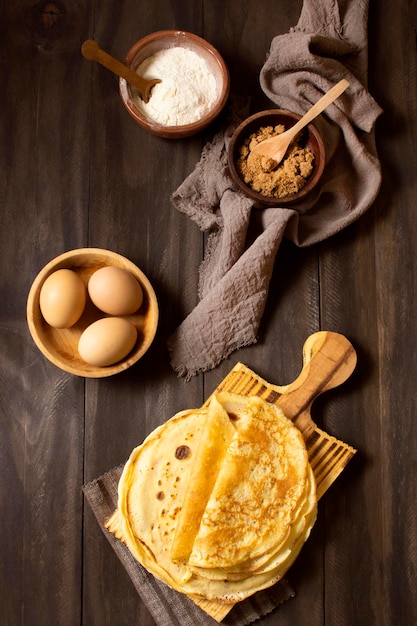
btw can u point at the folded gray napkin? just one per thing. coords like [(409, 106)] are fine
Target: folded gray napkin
[(329, 43), (168, 607)]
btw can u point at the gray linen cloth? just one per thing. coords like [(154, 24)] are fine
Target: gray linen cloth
[(329, 43)]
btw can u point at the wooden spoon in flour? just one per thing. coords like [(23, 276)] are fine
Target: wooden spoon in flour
[(92, 51), (276, 147)]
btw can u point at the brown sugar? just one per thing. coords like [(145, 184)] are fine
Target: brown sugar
[(262, 174)]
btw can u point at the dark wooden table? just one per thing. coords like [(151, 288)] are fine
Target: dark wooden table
[(77, 171)]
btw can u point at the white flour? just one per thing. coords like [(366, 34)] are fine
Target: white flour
[(187, 91)]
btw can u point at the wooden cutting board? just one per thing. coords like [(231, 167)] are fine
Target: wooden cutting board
[(328, 360)]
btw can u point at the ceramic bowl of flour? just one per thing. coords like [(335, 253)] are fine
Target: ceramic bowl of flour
[(194, 85)]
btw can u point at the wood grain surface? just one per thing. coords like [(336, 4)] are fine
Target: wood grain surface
[(76, 171)]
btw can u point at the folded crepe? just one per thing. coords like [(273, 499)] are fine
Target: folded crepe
[(218, 502)]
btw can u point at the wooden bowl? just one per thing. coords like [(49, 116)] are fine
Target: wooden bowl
[(310, 137), (60, 345), (160, 40)]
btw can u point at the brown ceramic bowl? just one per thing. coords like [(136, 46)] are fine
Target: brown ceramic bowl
[(60, 345), (164, 39), (310, 137)]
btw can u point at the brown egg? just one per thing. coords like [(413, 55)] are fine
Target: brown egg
[(107, 341), (115, 291), (62, 298)]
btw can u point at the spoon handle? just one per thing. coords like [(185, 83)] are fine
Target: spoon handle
[(320, 105), (92, 51)]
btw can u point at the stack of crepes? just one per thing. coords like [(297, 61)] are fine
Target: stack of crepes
[(218, 501)]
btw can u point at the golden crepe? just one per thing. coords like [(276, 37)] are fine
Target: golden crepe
[(217, 502)]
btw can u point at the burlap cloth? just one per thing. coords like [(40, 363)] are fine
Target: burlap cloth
[(329, 43)]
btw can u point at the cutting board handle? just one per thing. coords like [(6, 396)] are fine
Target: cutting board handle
[(328, 360)]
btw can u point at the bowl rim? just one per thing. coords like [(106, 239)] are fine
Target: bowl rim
[(185, 129), (256, 196), (63, 261)]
